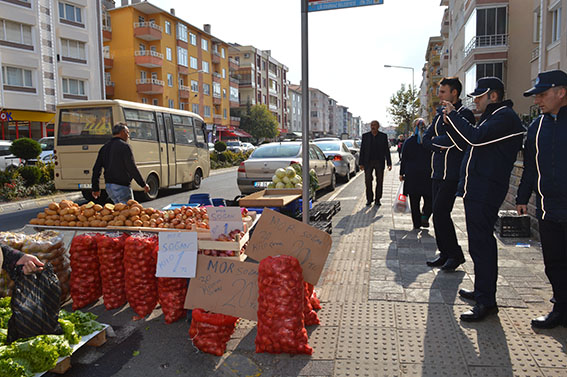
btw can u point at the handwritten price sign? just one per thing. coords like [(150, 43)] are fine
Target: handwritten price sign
[(177, 255), (223, 220)]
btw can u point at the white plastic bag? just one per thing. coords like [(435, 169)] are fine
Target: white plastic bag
[(401, 202)]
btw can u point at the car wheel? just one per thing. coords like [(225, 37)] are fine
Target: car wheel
[(197, 179), (333, 182), (153, 182)]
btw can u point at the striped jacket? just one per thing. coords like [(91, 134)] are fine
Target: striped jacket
[(448, 153), (545, 167), (493, 146)]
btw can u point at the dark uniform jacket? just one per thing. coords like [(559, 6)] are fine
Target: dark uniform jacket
[(415, 167), (119, 167), (493, 147), (448, 152), (380, 152), (545, 167)]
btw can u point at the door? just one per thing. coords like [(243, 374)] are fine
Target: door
[(169, 134), (202, 147), (163, 151), (326, 170), (186, 156)]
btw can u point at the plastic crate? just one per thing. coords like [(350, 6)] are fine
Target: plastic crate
[(325, 226), (509, 224)]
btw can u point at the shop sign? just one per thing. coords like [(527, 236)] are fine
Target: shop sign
[(6, 116), (317, 5)]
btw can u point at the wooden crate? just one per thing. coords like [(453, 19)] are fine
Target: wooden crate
[(271, 198)]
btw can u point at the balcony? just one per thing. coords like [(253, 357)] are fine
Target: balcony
[(182, 70), (483, 41), (234, 82), (215, 57), (108, 61), (149, 86), (109, 85), (216, 77), (148, 58), (272, 74), (235, 121), (217, 100), (233, 102), (106, 33), (535, 54), (273, 107), (233, 64), (184, 91), (147, 31), (217, 118)]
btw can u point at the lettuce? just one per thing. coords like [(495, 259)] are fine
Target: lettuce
[(85, 323), (69, 331), (10, 368)]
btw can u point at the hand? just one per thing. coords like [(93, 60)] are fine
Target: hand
[(96, 194), (522, 209), (147, 188), (447, 107), (31, 264), (389, 167), (401, 178), (361, 167)]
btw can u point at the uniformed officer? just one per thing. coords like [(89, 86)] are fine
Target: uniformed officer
[(545, 170), (446, 165), (485, 175)]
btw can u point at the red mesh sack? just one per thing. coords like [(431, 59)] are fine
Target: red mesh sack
[(171, 293), (110, 250), (210, 331), (280, 307), (310, 315), (140, 258), (315, 303), (85, 276)]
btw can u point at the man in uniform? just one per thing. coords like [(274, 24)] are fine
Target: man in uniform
[(545, 170), (373, 152), (446, 165), (485, 175)]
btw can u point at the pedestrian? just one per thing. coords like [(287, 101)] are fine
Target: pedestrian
[(400, 145), (545, 171), (485, 176), (415, 172), (117, 159), (374, 155), (446, 165)]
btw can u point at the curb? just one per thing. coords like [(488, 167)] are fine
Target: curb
[(38, 203)]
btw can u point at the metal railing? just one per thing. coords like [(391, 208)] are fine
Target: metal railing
[(233, 61), (233, 80), (235, 119), (152, 25), (535, 53), (148, 53), (106, 28), (109, 83), (216, 74), (493, 40), (150, 81), (184, 87)]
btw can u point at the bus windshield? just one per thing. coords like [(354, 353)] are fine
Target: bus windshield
[(84, 126)]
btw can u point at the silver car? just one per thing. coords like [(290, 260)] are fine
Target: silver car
[(344, 161), (257, 171), (7, 159), (354, 147)]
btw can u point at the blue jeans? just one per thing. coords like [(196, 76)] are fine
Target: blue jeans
[(118, 193)]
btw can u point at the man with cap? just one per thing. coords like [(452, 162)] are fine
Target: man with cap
[(493, 145), (446, 164), (545, 171)]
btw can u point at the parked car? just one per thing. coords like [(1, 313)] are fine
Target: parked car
[(7, 159), (354, 147), (47, 146), (248, 147), (235, 146), (257, 171), (211, 147), (325, 139), (344, 161)]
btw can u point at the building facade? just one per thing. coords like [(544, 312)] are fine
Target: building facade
[(50, 52), (319, 112), (432, 75), (294, 108)]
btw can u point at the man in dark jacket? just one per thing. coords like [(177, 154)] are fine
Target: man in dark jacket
[(117, 159), (545, 170), (447, 157), (485, 175), (374, 151)]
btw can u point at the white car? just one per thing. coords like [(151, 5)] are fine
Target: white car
[(7, 159), (248, 147), (47, 146), (235, 146)]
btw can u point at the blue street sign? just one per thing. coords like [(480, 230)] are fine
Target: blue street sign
[(317, 5)]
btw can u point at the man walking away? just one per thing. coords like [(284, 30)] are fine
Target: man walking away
[(117, 159), (485, 176), (545, 170), (374, 151), (446, 164)]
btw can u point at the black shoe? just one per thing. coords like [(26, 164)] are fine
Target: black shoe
[(369, 203), (437, 262), (552, 300), (467, 293), (550, 321), (377, 203), (478, 313), (451, 264), (424, 222)]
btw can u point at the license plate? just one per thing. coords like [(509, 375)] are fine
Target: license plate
[(85, 185), (261, 184)]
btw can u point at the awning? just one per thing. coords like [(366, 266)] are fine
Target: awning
[(222, 128), (241, 133), (25, 115)]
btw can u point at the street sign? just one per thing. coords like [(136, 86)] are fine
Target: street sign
[(317, 5)]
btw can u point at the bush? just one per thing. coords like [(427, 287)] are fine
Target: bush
[(47, 172), (25, 148), (220, 146), (222, 157), (31, 174)]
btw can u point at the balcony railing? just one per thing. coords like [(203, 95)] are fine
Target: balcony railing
[(152, 25), (148, 31), (233, 80), (233, 63), (150, 81), (535, 53), (495, 40), (148, 53), (148, 58)]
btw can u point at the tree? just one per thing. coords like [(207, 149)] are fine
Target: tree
[(25, 148), (404, 106), (259, 122)]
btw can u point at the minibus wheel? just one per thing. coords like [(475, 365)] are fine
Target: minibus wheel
[(153, 182)]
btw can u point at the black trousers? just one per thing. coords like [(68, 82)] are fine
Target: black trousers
[(416, 211), (444, 194), (480, 218), (554, 247), (378, 168)]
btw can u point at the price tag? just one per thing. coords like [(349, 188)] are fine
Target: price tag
[(177, 255), (223, 220)]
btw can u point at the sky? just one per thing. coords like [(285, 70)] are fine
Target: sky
[(348, 48)]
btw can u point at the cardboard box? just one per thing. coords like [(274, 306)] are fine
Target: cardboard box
[(271, 198)]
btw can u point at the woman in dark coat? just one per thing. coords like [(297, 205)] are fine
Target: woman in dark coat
[(415, 171)]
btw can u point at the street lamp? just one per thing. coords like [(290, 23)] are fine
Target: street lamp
[(412, 84)]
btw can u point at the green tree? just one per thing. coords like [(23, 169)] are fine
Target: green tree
[(25, 148), (259, 122), (404, 106)]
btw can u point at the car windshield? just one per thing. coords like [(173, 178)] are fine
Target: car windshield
[(46, 144), (4, 150), (276, 151), (349, 143), (232, 144), (329, 146)]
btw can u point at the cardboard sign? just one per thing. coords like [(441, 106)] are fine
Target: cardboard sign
[(277, 234), (177, 255), (224, 286), (223, 220)]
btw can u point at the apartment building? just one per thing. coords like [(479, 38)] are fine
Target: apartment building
[(343, 111), (334, 124), (433, 73), (50, 52), (319, 112), (356, 127), (263, 80), (294, 109)]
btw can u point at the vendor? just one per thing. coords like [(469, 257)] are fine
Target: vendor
[(10, 258)]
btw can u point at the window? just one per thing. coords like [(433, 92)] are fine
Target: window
[(144, 100), (233, 94), (489, 69), (70, 13), (171, 104), (13, 76), (205, 44), (537, 25), (169, 80), (206, 89), (181, 56), (181, 106), (142, 124), (168, 27), (193, 39), (216, 89), (195, 108), (556, 24), (194, 86), (224, 113), (155, 102), (168, 53), (74, 87), (182, 32), (15, 32), (223, 93), (205, 66), (224, 73), (491, 21), (193, 63), (207, 111), (222, 52), (73, 49)]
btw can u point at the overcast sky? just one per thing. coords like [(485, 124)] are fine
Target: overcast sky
[(347, 48)]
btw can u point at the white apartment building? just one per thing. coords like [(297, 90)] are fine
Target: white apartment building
[(319, 112), (50, 52), (294, 110), (334, 117)]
